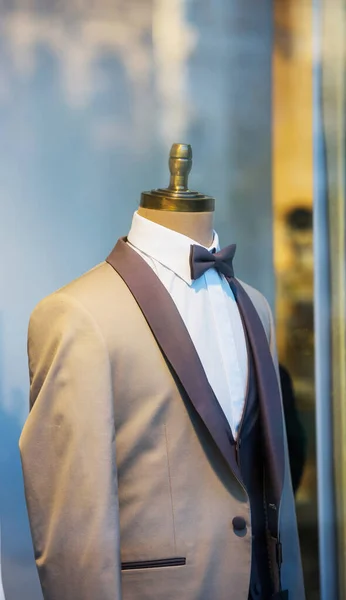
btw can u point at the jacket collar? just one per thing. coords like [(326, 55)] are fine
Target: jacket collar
[(176, 345)]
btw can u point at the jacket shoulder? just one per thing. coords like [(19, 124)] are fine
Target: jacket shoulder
[(91, 292)]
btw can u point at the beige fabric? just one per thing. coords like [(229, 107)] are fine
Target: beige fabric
[(117, 467)]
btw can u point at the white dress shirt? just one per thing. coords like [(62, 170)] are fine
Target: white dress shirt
[(207, 307)]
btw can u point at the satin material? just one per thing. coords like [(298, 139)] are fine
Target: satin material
[(201, 260), (198, 388), (268, 386), (220, 343)]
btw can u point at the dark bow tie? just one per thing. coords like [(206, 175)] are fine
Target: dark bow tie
[(201, 260)]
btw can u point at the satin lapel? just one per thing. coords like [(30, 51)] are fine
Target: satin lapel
[(269, 394), (175, 343)]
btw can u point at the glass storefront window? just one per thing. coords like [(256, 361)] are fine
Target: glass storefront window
[(333, 105), (92, 95), (293, 255)]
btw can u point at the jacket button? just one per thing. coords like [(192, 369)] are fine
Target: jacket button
[(239, 524)]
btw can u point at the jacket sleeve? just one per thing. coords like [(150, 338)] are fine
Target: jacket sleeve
[(291, 570), (68, 455)]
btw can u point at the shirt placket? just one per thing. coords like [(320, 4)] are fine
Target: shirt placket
[(230, 369)]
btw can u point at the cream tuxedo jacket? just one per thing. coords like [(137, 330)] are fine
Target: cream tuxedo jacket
[(128, 495)]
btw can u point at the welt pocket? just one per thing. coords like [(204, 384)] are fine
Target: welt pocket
[(153, 564)]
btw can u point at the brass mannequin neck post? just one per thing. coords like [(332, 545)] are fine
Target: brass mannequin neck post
[(177, 197), (177, 207), (180, 165)]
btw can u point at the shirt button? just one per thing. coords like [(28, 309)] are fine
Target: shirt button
[(239, 524)]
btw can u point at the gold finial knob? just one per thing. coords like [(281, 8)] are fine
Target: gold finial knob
[(177, 197), (180, 163)]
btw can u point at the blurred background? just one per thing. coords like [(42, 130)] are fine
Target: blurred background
[(92, 95)]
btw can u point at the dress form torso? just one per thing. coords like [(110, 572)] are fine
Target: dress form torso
[(196, 226)]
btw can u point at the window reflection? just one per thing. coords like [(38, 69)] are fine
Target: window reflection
[(294, 264)]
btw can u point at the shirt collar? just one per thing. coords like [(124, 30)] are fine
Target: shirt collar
[(168, 247)]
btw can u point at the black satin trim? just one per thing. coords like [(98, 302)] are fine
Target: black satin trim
[(153, 564)]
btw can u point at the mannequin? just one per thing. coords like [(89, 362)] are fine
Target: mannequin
[(154, 457), (177, 208), (196, 226)]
